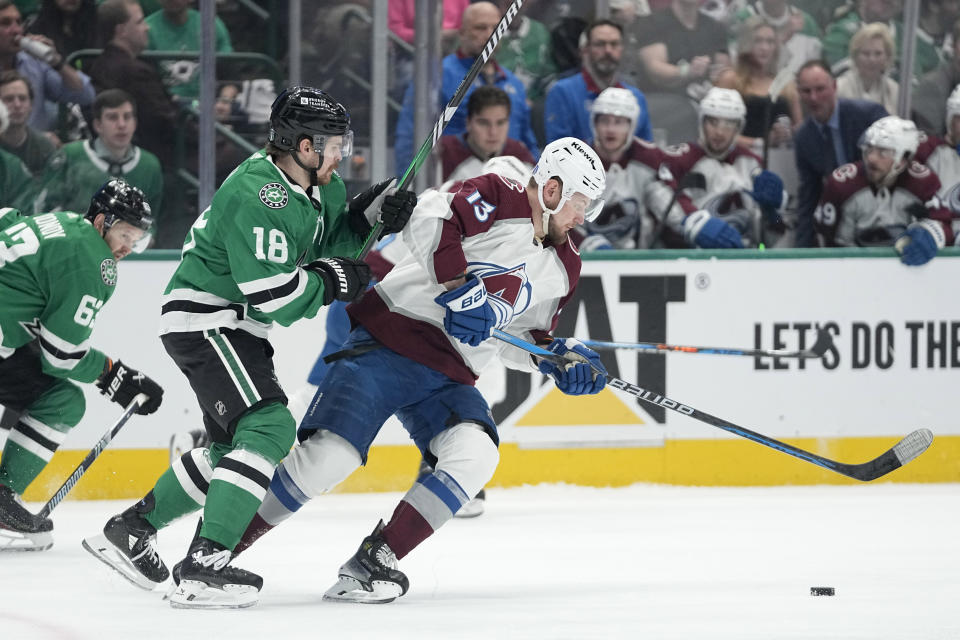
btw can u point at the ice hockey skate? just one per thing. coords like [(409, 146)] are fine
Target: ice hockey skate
[(474, 507), (128, 545), (184, 441), (371, 575), (206, 581), (21, 530)]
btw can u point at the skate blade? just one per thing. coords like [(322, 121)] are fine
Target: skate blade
[(108, 554), (193, 594), (349, 589), (11, 540), (470, 509)]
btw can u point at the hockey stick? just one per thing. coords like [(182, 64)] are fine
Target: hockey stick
[(91, 457), (820, 347), (900, 454), (448, 111)]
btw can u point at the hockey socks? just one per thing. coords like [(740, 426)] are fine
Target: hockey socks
[(237, 488), (182, 489), (29, 447), (283, 499), (430, 503)]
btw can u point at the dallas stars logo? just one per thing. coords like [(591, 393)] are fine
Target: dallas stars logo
[(273, 195), (108, 271)]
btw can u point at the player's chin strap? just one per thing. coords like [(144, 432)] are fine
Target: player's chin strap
[(547, 212), (311, 171)]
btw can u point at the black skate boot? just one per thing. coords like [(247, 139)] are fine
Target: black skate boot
[(21, 530), (371, 575), (128, 545), (208, 582)]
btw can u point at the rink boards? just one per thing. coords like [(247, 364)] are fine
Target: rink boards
[(893, 368)]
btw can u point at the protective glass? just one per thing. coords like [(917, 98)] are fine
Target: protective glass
[(133, 238), (330, 146)]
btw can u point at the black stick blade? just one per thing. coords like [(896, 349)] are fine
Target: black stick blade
[(821, 346), (900, 454)]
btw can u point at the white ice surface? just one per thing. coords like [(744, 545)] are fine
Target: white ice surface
[(646, 562)]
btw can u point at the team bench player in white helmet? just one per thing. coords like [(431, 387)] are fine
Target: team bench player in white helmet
[(885, 199), (942, 155), (629, 219), (737, 202), (490, 253)]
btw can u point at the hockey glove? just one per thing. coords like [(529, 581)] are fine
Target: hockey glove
[(703, 230), (468, 315), (121, 384), (381, 203), (920, 243), (343, 279), (584, 374)]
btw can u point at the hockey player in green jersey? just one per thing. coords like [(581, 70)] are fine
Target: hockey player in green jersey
[(257, 255), (57, 271)]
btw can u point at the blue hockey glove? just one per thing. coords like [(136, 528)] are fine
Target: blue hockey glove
[(468, 316), (578, 377), (703, 230), (768, 190), (920, 243), (595, 242)]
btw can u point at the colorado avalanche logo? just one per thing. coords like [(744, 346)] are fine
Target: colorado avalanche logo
[(508, 288)]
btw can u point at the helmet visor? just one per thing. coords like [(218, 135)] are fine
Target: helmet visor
[(582, 204), (334, 146), (130, 236)]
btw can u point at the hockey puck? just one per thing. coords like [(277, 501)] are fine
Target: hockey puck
[(822, 591)]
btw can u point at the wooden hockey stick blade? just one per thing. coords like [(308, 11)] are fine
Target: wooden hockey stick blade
[(901, 453)]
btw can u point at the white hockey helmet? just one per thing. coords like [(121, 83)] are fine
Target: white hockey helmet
[(953, 106), (616, 102), (725, 104), (508, 167), (896, 133), (579, 170)]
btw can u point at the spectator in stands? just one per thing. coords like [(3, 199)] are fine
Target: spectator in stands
[(121, 25), (401, 19), (886, 199), (752, 74), (479, 21), (934, 23), (734, 203), (70, 24), (827, 139), (628, 14), (525, 50), (16, 186), (32, 147), (836, 41), (488, 120), (627, 220), (569, 100), (52, 81), (684, 49), (81, 167), (176, 27), (930, 94), (230, 114), (798, 33), (871, 51)]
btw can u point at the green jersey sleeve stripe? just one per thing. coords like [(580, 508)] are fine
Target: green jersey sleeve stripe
[(290, 284), (252, 287)]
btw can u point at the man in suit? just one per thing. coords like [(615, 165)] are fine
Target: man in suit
[(827, 138)]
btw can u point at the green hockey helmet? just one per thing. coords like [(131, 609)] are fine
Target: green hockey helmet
[(300, 112), (120, 201)]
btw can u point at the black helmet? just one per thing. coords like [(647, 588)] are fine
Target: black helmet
[(305, 111), (117, 200)]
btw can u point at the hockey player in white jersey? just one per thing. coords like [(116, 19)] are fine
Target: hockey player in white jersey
[(493, 253), (886, 199), (628, 221), (942, 155), (741, 203)]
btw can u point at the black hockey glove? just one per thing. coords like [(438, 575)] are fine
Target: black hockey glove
[(381, 203), (343, 278), (121, 384)]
